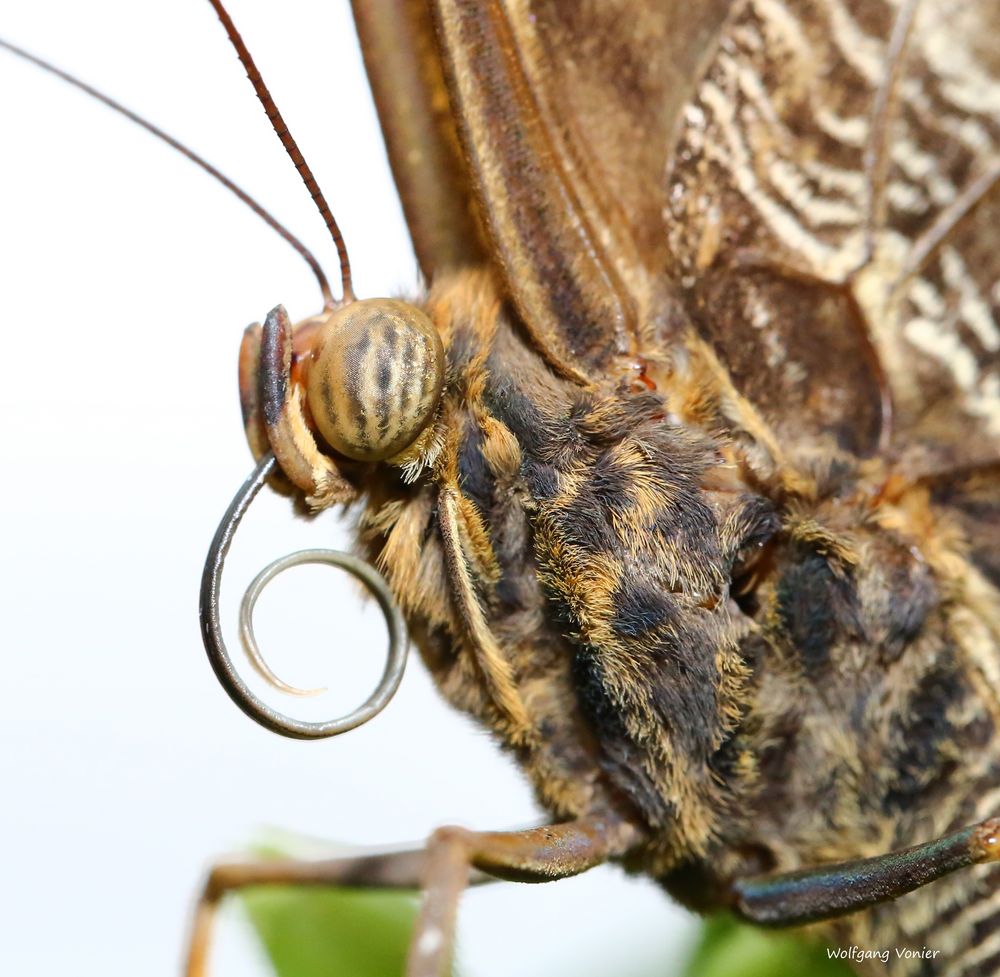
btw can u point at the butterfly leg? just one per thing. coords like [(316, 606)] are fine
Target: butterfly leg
[(535, 855), (393, 870), (827, 891)]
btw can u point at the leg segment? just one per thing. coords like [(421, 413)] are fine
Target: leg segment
[(536, 855), (393, 870), (453, 859), (827, 891)]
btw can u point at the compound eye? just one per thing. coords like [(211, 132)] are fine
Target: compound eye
[(375, 378)]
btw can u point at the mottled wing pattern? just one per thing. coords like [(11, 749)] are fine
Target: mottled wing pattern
[(833, 215), (611, 78)]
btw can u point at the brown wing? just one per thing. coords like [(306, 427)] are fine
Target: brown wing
[(836, 178), (828, 216), (564, 111), (401, 57), (567, 112)]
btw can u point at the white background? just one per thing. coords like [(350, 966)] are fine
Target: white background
[(126, 278)]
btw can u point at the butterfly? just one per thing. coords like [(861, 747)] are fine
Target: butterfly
[(685, 489)]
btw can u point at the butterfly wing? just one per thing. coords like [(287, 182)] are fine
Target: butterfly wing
[(815, 180), (835, 188), (401, 57), (563, 112)]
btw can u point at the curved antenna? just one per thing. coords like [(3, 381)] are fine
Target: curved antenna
[(291, 147), (154, 130), (218, 654)]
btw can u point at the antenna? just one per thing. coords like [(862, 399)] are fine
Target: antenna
[(237, 191), (291, 147)]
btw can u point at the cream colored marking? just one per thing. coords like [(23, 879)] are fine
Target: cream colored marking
[(749, 82), (963, 82), (974, 913), (746, 36), (789, 181), (365, 390), (871, 288), (934, 237), (987, 405), (975, 954), (972, 308), (693, 116), (913, 161), (781, 27), (851, 131), (989, 804), (760, 313), (982, 393), (823, 260), (775, 347), (849, 182), (430, 941), (964, 129), (971, 133), (861, 51), (923, 168), (944, 346), (979, 639), (928, 299), (495, 667), (740, 142), (711, 238), (907, 198), (827, 176), (695, 139)]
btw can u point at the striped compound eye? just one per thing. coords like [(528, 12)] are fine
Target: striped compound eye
[(375, 378)]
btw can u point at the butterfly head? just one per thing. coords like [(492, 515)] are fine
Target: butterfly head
[(360, 383)]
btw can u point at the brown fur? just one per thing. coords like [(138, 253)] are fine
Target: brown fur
[(767, 657)]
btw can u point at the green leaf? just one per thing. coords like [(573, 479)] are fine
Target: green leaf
[(326, 932), (728, 947), (309, 932)]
